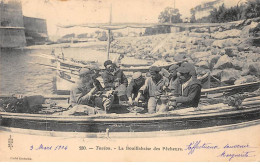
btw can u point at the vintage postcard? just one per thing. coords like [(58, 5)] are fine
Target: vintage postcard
[(129, 81)]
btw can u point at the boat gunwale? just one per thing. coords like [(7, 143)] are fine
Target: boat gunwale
[(125, 119)]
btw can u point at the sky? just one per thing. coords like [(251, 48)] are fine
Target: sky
[(67, 12)]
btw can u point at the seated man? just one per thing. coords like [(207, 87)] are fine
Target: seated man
[(154, 86), (190, 87), (85, 89), (115, 79), (135, 84)]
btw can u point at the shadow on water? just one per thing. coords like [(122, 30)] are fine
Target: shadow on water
[(20, 75)]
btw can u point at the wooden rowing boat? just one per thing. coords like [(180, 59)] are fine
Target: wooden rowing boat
[(182, 119), (204, 116)]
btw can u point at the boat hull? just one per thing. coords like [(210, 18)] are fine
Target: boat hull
[(142, 123)]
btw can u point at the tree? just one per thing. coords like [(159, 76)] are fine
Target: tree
[(192, 18), (170, 15), (252, 9)]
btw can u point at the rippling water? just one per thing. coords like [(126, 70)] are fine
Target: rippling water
[(19, 73)]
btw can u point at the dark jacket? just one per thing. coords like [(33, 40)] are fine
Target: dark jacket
[(133, 88), (191, 94), (81, 89), (110, 79)]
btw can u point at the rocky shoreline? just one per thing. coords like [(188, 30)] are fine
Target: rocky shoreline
[(229, 52)]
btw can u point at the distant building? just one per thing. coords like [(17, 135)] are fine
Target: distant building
[(35, 30), (160, 29), (204, 9), (11, 24), (17, 30)]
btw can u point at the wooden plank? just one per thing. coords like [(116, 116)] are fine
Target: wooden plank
[(124, 118), (225, 88), (130, 134)]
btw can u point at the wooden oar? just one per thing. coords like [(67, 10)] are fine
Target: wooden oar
[(55, 68), (53, 97), (226, 88), (44, 56)]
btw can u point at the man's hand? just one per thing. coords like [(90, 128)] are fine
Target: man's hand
[(173, 98), (79, 100), (138, 97), (164, 88), (130, 101), (86, 97), (116, 84)]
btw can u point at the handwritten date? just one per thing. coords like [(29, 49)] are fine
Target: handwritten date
[(48, 147)]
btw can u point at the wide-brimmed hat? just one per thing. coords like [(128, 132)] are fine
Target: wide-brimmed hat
[(84, 71), (94, 67), (190, 67), (173, 67), (183, 70), (154, 69)]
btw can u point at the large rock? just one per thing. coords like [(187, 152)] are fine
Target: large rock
[(254, 68), (200, 30), (208, 42), (194, 40), (215, 51), (200, 35), (213, 29), (252, 28), (255, 49), (198, 56), (234, 33), (230, 42), (181, 51), (237, 64), (244, 46), (229, 76), (246, 79), (216, 73), (224, 62), (213, 60), (201, 71), (251, 68), (231, 51), (254, 57), (179, 57)]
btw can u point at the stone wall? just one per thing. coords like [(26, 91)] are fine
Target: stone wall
[(35, 30), (11, 24)]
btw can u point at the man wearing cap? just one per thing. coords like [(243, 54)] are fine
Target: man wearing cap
[(115, 79), (154, 86), (190, 87), (133, 88), (191, 67), (84, 90)]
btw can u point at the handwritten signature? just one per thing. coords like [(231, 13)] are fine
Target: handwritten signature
[(228, 151), (244, 154), (198, 145)]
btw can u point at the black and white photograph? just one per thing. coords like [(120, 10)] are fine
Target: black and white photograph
[(130, 80)]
